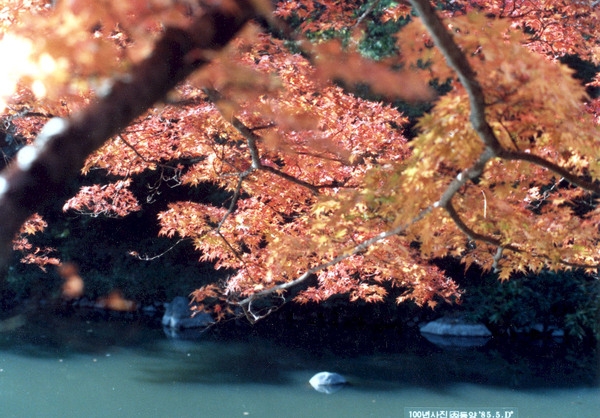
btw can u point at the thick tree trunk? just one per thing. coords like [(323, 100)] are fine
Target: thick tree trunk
[(37, 177)]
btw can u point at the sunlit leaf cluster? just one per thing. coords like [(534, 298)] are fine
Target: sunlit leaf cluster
[(322, 183)]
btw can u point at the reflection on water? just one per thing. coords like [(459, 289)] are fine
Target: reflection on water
[(65, 367)]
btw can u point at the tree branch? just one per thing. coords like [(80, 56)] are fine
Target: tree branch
[(36, 181), (555, 168), (493, 149), (361, 247), (475, 235), (467, 76), (236, 196), (251, 140)]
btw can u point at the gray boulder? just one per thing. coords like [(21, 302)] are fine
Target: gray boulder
[(178, 316), (455, 332)]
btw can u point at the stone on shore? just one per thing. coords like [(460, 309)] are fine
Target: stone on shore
[(178, 316), (455, 332)]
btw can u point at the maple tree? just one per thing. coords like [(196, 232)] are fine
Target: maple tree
[(325, 192)]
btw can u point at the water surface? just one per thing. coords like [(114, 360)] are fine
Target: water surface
[(69, 367)]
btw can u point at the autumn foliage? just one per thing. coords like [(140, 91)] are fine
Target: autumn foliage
[(321, 181)]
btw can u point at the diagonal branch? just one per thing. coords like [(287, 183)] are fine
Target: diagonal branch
[(476, 236), (498, 243), (467, 76), (593, 187), (357, 249), (252, 139)]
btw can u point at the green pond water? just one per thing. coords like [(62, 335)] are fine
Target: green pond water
[(69, 367)]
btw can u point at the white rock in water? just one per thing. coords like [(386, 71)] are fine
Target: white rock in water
[(326, 382)]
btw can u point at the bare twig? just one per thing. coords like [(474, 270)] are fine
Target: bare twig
[(134, 149), (497, 258), (147, 257), (370, 8)]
